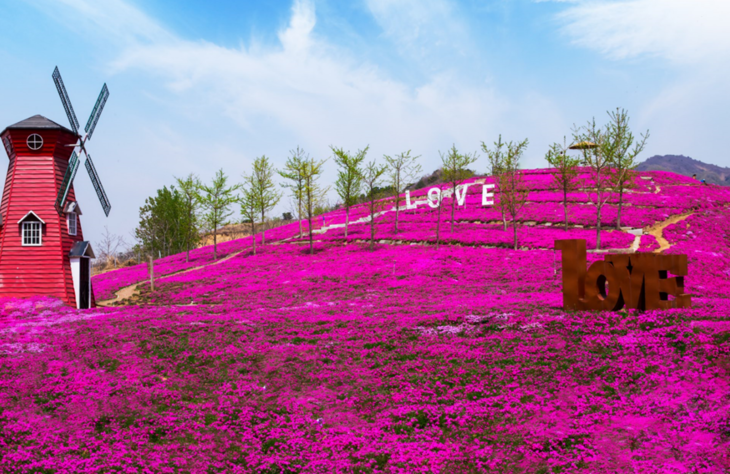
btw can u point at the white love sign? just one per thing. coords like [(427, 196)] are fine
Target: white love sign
[(434, 196)]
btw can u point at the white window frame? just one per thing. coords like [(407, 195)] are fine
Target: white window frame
[(28, 231), (71, 217), (37, 146)]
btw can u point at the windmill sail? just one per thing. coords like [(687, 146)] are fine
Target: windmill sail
[(65, 100), (68, 179), (105, 204), (96, 113)]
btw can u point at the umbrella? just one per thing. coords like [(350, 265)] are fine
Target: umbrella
[(583, 146)]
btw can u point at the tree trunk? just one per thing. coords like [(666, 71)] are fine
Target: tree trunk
[(620, 205), (253, 234), (215, 242), (372, 225), (397, 209), (311, 241), (565, 207), (453, 205), (347, 219), (438, 224), (514, 229), (263, 229), (598, 227), (299, 217)]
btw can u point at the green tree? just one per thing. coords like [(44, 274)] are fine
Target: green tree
[(565, 174), (349, 178), (454, 167), (592, 143), (496, 159), (621, 149), (371, 179), (189, 189), (249, 211), (215, 200), (260, 185), (402, 171), (162, 223), (512, 189), (293, 171), (312, 192)]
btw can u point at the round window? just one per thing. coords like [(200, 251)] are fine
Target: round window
[(35, 141)]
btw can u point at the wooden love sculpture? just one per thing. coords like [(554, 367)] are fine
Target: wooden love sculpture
[(636, 280)]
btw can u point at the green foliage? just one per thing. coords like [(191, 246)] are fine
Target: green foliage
[(189, 190), (260, 190), (402, 170), (371, 179), (454, 168), (565, 176), (349, 177), (215, 200), (293, 173), (165, 225)]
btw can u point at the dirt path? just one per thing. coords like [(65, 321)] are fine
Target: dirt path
[(657, 230), (129, 291)]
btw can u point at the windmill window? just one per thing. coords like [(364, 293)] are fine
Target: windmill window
[(71, 221), (34, 141), (31, 233)]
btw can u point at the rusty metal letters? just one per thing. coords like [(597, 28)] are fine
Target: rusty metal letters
[(636, 280)]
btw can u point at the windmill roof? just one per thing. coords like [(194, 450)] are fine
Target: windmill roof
[(37, 122), (81, 249)]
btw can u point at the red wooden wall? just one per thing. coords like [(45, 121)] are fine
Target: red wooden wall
[(32, 183)]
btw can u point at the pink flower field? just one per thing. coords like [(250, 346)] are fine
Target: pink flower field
[(407, 359)]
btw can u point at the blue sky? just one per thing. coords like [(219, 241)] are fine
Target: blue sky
[(197, 86)]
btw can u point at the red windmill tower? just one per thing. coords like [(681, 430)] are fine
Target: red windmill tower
[(42, 250)]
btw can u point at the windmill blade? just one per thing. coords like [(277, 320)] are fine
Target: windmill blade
[(96, 113), (65, 100), (105, 204), (68, 179)]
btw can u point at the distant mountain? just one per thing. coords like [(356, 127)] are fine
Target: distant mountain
[(686, 166)]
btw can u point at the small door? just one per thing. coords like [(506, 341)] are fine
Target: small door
[(84, 286)]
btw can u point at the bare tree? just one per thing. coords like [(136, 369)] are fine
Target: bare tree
[(371, 179), (512, 189), (109, 246), (454, 167), (565, 176), (349, 178), (261, 188), (294, 172), (312, 191), (402, 170), (591, 141), (619, 141), (496, 159)]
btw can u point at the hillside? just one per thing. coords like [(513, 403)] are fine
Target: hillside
[(406, 359), (686, 166)]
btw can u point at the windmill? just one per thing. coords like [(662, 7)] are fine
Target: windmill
[(73, 163), (42, 246)]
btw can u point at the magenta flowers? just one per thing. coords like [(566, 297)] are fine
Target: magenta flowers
[(401, 360)]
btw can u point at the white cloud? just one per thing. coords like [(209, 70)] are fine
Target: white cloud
[(684, 32), (321, 95), (422, 28), (688, 41)]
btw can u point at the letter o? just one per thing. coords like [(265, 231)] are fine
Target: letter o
[(437, 192), (600, 273)]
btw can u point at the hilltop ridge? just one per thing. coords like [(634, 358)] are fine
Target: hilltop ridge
[(687, 166)]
